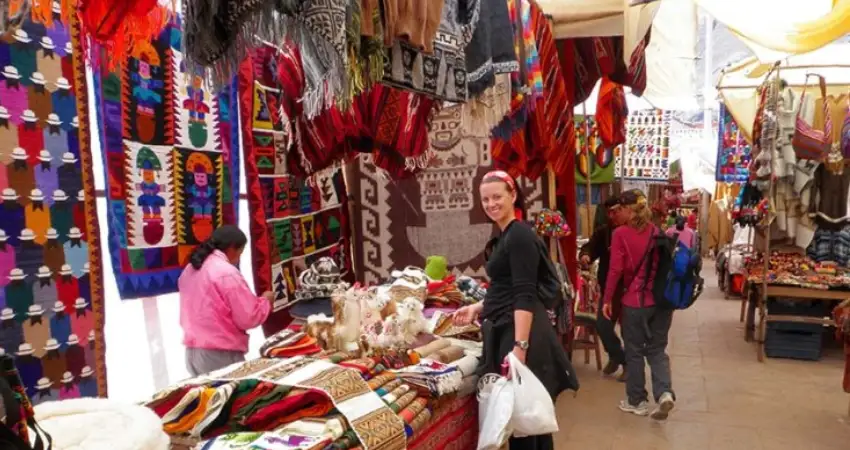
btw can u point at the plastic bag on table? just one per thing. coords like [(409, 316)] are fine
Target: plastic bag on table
[(534, 411), (495, 408)]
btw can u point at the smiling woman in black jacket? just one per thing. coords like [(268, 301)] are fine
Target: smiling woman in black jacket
[(514, 319)]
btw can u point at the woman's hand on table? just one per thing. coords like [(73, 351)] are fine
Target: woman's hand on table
[(468, 314)]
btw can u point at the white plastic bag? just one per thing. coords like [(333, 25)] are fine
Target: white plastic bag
[(495, 408), (534, 411)]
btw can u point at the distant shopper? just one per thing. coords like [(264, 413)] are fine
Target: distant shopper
[(686, 234), (217, 307), (514, 319), (599, 248), (645, 327)]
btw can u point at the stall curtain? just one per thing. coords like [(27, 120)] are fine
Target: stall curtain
[(169, 150), (51, 283)]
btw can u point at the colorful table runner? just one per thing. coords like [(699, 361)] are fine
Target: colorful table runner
[(51, 290), (170, 147)]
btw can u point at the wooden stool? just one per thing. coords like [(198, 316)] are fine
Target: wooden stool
[(586, 339)]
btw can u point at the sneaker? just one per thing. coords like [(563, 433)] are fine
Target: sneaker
[(640, 410), (665, 405), (610, 368)]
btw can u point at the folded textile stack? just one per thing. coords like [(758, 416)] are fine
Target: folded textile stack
[(445, 294), (444, 327), (438, 378), (266, 441), (288, 343)]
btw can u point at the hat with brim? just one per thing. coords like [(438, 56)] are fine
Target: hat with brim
[(35, 310), (4, 113), (47, 43), (38, 78), (69, 158), (24, 349), (67, 378), (81, 303), (7, 314), (53, 119), (36, 195), (44, 156), (320, 280), (52, 233), (75, 233), (65, 270), (27, 235), (11, 73), (3, 237), (86, 372), (19, 154), (62, 83), (22, 36), (631, 197), (75, 122), (29, 116), (9, 194), (59, 195), (17, 274), (73, 339), (44, 271), (52, 344), (81, 195), (58, 307), (43, 384), (86, 267), (69, 49)]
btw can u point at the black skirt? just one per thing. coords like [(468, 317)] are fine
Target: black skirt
[(546, 357)]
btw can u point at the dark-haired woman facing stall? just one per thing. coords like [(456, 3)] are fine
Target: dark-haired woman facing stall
[(217, 307)]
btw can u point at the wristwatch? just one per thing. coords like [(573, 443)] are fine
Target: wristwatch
[(523, 345)]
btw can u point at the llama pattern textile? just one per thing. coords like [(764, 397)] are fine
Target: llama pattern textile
[(51, 291), (170, 148)]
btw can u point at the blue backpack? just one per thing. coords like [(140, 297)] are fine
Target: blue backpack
[(677, 283)]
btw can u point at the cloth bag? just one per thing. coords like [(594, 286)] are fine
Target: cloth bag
[(533, 411), (495, 409), (809, 143)]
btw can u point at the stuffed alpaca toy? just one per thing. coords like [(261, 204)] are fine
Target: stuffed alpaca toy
[(347, 316), (411, 319), (321, 327)]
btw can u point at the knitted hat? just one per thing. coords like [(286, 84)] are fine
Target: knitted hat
[(320, 280), (436, 267)]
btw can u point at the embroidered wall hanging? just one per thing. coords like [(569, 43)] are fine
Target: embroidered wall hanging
[(647, 149), (733, 151), (293, 220), (170, 151), (600, 162), (51, 291), (438, 212)]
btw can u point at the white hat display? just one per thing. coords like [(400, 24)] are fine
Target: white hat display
[(19, 154), (36, 195), (22, 36), (52, 233), (73, 339), (11, 73), (47, 43), (65, 270), (43, 384), (69, 158), (67, 377), (38, 79), (91, 336), (3, 237), (7, 314), (27, 235), (35, 310), (86, 372), (24, 349), (81, 195), (16, 274), (44, 156), (81, 303), (75, 233), (29, 116), (86, 268), (59, 195), (4, 113), (52, 344), (44, 271), (53, 119), (75, 122), (62, 83), (9, 194), (58, 307), (69, 48)]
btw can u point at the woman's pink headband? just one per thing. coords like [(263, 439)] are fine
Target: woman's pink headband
[(501, 175)]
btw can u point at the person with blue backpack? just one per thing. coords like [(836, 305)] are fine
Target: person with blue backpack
[(635, 259)]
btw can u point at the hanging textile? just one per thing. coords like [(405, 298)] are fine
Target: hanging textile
[(647, 149), (403, 222), (51, 284), (733, 151), (600, 162), (170, 150), (294, 220)]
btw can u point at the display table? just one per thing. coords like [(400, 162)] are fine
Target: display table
[(791, 293)]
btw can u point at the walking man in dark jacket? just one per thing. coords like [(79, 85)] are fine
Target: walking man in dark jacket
[(599, 247)]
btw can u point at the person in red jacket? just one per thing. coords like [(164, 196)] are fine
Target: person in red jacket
[(645, 326)]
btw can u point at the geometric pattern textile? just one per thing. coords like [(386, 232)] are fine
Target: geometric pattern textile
[(171, 158), (601, 159), (733, 151), (293, 221), (402, 222), (51, 290), (453, 426), (647, 146)]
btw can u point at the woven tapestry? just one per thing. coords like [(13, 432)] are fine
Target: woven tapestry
[(51, 291), (438, 212), (600, 162), (733, 151), (170, 151), (293, 220), (647, 151)]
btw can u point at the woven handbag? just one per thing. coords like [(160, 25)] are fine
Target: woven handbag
[(809, 143)]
